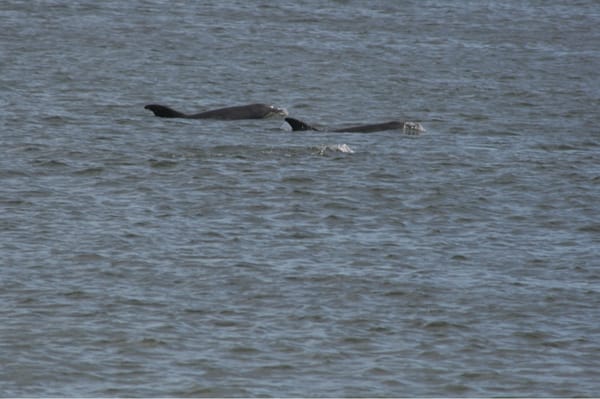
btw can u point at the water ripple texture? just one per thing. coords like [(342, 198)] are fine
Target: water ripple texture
[(142, 256)]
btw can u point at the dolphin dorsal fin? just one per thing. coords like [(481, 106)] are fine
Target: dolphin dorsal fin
[(298, 125), (164, 112)]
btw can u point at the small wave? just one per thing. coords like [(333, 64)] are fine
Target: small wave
[(590, 228), (91, 171), (49, 163), (285, 127), (162, 163)]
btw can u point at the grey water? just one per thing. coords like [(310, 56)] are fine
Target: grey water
[(142, 256)]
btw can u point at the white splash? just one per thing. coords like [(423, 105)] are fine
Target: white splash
[(344, 148), (413, 128)]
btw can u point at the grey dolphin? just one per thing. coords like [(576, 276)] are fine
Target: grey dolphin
[(298, 125), (250, 111)]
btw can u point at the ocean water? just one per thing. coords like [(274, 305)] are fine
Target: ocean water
[(142, 256)]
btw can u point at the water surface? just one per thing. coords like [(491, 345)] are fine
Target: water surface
[(149, 257)]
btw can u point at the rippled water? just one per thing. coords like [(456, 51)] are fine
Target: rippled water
[(150, 257)]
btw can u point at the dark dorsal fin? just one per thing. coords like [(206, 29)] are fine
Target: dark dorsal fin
[(164, 111), (298, 125)]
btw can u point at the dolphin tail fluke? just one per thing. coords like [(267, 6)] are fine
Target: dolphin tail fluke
[(298, 125), (164, 111)]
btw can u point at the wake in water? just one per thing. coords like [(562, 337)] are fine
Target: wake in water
[(343, 148)]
